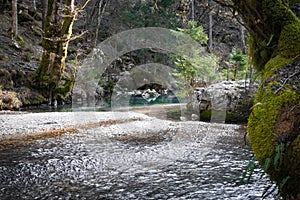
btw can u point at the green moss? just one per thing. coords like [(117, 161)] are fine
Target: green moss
[(277, 14), (205, 115), (20, 39), (289, 41), (64, 90), (262, 122), (45, 78), (258, 53), (275, 63)]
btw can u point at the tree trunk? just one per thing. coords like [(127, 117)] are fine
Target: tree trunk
[(210, 26), (55, 43), (193, 9), (101, 9), (14, 26), (274, 125), (44, 13), (243, 41)]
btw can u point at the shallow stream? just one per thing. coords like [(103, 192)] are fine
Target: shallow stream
[(193, 161)]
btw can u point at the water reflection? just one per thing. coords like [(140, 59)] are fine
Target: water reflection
[(98, 165)]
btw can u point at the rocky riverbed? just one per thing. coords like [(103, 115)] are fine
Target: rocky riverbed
[(121, 155), (22, 128)]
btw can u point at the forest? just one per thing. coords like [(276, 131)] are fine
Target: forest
[(96, 21), (46, 45)]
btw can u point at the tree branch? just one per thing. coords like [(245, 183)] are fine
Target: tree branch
[(59, 39), (78, 36), (83, 5)]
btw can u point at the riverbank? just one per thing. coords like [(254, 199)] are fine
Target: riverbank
[(21, 128)]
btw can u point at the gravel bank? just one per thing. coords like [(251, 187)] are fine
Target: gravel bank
[(22, 124), (23, 128)]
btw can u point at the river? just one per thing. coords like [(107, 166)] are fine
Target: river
[(144, 159)]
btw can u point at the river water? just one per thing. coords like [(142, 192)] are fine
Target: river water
[(192, 161)]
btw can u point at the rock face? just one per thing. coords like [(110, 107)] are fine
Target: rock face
[(234, 97)]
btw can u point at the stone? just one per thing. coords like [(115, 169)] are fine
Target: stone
[(226, 96)]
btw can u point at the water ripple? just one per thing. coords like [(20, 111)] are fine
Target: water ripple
[(96, 165)]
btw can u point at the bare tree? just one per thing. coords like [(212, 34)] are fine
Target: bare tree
[(58, 31)]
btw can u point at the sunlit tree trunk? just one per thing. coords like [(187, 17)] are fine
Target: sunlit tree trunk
[(58, 31)]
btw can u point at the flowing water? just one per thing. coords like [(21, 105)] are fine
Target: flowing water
[(106, 163)]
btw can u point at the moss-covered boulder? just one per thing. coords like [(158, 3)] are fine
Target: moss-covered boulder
[(274, 127)]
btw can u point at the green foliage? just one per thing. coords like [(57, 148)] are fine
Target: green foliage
[(196, 66), (101, 81), (196, 32), (278, 159), (238, 66), (247, 174), (277, 164), (270, 190), (28, 56)]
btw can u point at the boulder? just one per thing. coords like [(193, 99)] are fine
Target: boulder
[(234, 97)]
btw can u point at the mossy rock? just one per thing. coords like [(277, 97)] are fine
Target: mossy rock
[(275, 121), (231, 116), (289, 41)]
